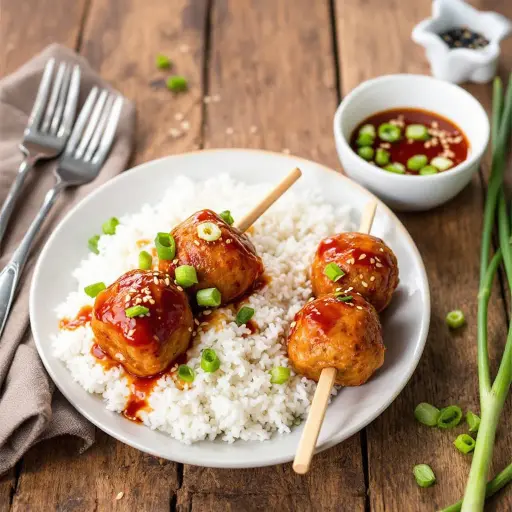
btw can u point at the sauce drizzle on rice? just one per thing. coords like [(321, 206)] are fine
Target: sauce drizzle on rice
[(82, 318)]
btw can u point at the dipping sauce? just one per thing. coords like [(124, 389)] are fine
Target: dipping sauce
[(410, 141), (463, 37)]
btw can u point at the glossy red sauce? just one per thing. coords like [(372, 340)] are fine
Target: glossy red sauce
[(140, 389), (401, 150), (83, 317)]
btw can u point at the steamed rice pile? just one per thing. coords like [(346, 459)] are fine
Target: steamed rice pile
[(238, 401)]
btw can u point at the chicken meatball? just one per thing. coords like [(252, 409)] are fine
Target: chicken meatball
[(333, 332), (369, 265), (228, 262), (145, 341)]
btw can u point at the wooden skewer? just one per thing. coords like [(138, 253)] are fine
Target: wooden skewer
[(249, 219), (323, 389)]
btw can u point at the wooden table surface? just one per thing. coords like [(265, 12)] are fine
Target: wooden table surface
[(281, 66)]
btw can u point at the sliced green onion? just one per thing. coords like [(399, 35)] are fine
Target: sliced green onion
[(208, 297), (364, 139), (92, 243), (395, 167), (165, 246), (209, 361), (441, 163), (185, 373), (279, 374), (455, 319), (93, 289), (136, 311), (464, 443), (416, 132), (209, 231), (226, 217), (424, 475), (343, 298), (389, 132), (162, 61), (427, 414), (333, 272), (177, 83), (428, 169), (185, 276), (109, 227), (473, 421), (449, 417), (382, 157), (244, 315), (367, 129), (145, 260), (365, 152), (417, 162)]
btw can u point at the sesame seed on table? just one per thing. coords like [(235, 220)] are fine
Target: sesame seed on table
[(267, 76)]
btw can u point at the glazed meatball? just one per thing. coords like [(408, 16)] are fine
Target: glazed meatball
[(229, 263), (370, 268), (146, 344), (330, 333)]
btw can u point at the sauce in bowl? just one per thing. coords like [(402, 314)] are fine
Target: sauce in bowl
[(410, 141)]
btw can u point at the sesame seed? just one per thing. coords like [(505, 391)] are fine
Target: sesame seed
[(130, 332), (372, 278), (253, 129), (119, 495), (379, 265), (293, 324), (190, 329), (196, 321), (119, 356), (167, 281), (361, 276), (381, 249), (359, 307), (377, 258), (151, 301), (196, 242), (228, 241), (155, 280), (351, 261), (138, 300), (349, 304), (155, 337), (184, 48), (178, 116), (229, 130), (350, 289), (175, 133), (337, 290), (372, 260), (365, 284), (207, 312), (362, 257), (180, 288), (206, 99), (311, 298), (127, 297)]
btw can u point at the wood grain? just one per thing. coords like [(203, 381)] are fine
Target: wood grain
[(449, 241)]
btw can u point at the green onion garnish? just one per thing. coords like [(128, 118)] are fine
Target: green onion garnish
[(92, 243), (209, 361), (208, 297), (333, 272), (177, 83), (428, 169), (473, 421), (185, 373), (136, 311), (416, 132), (185, 276), (244, 315), (208, 231), (343, 298), (165, 246), (455, 319), (365, 152), (427, 414), (382, 157), (395, 167), (424, 475), (145, 260), (464, 443), (162, 61), (367, 129), (279, 374), (389, 132), (449, 417), (441, 163), (93, 289), (417, 162), (364, 139), (109, 227), (226, 217)]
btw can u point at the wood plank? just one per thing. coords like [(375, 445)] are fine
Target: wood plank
[(27, 27), (121, 39), (282, 82), (7, 485), (448, 239)]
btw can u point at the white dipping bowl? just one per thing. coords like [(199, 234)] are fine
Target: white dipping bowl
[(407, 192)]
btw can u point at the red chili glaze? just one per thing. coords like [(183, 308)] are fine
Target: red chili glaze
[(400, 151), (140, 389), (103, 358), (97, 352), (83, 317)]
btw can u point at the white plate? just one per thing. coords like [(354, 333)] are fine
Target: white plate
[(405, 322)]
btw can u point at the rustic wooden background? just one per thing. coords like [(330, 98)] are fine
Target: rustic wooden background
[(281, 66)]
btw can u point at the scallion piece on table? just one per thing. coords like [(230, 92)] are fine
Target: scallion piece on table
[(449, 417), (424, 475), (417, 162), (109, 227), (227, 217), (473, 421), (208, 231), (464, 443), (364, 139), (279, 374), (93, 289), (185, 373), (165, 246), (416, 132), (427, 414), (162, 61), (145, 260), (455, 319), (177, 83), (208, 297), (365, 152), (134, 311), (382, 157), (186, 276), (428, 169), (389, 132), (441, 163), (395, 167), (209, 361), (92, 243), (367, 129), (333, 271), (245, 313)]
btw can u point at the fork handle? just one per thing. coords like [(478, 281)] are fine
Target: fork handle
[(10, 275), (14, 194)]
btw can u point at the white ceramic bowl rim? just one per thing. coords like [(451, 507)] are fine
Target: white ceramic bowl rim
[(474, 155)]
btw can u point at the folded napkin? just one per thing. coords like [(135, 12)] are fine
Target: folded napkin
[(31, 409)]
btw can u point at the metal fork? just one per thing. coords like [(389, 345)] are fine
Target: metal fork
[(81, 162), (48, 127)]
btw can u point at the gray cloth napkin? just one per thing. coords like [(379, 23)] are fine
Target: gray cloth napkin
[(31, 409)]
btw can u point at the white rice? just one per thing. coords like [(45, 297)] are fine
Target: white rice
[(238, 401)]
